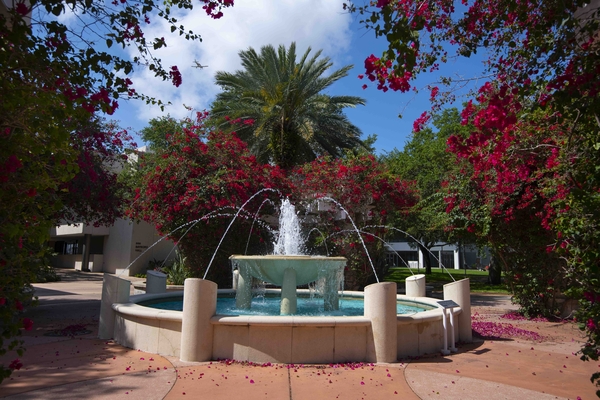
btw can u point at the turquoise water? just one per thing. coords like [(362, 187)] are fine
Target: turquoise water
[(270, 306)]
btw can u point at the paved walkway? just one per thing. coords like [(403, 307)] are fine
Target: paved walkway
[(83, 367)]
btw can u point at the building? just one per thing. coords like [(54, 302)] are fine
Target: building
[(125, 248), (451, 256), (109, 249)]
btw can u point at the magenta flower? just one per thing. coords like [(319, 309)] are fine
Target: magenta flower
[(27, 324), (15, 364)]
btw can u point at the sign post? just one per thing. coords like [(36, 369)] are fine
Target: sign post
[(448, 305)]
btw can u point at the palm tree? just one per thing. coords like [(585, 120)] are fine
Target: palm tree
[(279, 110)]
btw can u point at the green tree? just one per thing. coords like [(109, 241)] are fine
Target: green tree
[(425, 160), (159, 129), (276, 105), (534, 149), (56, 80)]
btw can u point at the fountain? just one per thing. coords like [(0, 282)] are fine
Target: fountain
[(288, 268), (199, 333)]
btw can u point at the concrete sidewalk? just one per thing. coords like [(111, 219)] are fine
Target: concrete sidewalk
[(81, 366)]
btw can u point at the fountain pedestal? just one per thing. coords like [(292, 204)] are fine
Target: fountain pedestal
[(288, 272), (289, 299), (243, 293)]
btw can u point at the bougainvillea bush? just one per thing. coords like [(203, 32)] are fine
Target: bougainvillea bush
[(208, 178), (504, 200), (57, 80), (536, 118), (369, 194)]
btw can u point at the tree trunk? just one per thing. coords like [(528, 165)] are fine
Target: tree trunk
[(495, 272), (426, 258)]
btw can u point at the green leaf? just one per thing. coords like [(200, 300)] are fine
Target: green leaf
[(58, 9)]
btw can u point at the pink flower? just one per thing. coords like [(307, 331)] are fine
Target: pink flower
[(12, 164), (591, 325), (27, 324), (175, 76), (15, 364), (22, 9), (420, 122)]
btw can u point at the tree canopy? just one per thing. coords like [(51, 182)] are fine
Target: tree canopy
[(426, 161), (276, 104), (533, 148), (57, 81)]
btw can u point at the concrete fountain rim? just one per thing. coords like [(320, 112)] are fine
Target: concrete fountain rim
[(133, 309)]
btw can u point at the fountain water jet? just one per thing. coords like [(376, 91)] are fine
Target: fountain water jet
[(357, 230)]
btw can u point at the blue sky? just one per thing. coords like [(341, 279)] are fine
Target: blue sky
[(320, 24)]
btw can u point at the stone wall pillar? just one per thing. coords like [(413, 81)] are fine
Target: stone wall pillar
[(380, 308), (114, 290), (460, 293), (199, 305)]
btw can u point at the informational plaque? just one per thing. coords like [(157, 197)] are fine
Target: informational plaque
[(448, 303)]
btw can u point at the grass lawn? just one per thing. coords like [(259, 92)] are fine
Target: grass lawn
[(440, 277)]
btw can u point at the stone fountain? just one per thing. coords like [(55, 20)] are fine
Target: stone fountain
[(288, 268), (199, 333)]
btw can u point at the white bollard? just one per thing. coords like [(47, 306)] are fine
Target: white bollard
[(415, 286), (156, 282), (452, 338), (380, 308), (449, 310), (199, 305)]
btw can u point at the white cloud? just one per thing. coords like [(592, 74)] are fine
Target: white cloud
[(320, 24)]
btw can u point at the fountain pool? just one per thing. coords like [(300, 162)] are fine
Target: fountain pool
[(268, 304)]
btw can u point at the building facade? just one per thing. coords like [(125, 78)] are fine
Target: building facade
[(124, 248), (450, 256)]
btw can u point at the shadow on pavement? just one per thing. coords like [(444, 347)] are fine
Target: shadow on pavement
[(491, 300), (43, 292), (70, 275)]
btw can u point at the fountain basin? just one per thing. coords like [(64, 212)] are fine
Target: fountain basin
[(285, 339), (271, 268)]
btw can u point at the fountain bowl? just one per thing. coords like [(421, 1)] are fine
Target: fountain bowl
[(271, 268), (288, 272)]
